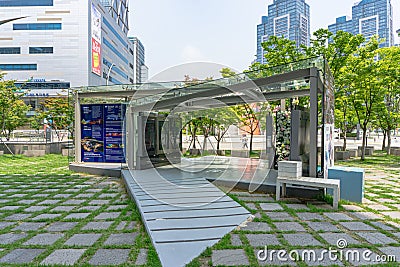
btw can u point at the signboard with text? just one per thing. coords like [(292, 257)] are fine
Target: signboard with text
[(96, 40), (102, 131)]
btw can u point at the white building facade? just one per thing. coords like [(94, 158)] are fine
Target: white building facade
[(80, 42)]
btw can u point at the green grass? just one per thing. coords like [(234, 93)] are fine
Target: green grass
[(49, 164), (380, 160)]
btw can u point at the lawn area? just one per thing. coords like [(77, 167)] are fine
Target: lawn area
[(51, 216)]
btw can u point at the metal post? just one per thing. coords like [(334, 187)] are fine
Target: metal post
[(313, 122), (109, 71), (78, 129)]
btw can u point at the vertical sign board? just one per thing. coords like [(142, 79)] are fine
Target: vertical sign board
[(329, 116), (102, 131), (96, 40)]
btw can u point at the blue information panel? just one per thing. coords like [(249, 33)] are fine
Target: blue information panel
[(102, 133)]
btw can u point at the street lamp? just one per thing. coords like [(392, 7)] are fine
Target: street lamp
[(109, 71)]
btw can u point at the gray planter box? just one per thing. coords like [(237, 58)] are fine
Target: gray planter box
[(342, 155)]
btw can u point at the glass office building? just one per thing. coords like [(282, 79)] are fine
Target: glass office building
[(369, 17), (140, 68), (79, 42), (286, 18)]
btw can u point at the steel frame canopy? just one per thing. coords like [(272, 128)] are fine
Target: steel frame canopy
[(310, 77)]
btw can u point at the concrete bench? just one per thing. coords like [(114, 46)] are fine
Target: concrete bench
[(308, 181)]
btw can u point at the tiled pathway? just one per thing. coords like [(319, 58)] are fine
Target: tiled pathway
[(69, 220)]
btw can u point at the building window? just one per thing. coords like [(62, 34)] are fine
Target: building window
[(15, 67), (40, 50), (109, 45), (115, 33), (37, 26), (10, 50), (5, 3)]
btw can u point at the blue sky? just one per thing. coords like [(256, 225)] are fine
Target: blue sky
[(218, 31)]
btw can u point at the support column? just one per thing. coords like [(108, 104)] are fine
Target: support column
[(313, 122), (78, 130)]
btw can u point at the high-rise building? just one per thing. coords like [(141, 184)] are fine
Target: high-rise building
[(369, 18), (140, 69), (78, 42), (286, 18)]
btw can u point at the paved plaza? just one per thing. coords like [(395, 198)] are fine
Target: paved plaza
[(85, 220), (69, 220)]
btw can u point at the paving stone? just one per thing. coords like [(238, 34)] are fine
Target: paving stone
[(392, 214), (298, 206), (262, 240), (121, 239), (77, 216), (99, 202), (251, 206), (5, 224), (323, 226), (36, 208), (27, 201), (337, 216), (357, 226), (397, 235), (110, 257), (6, 200), (29, 226), (279, 216), (63, 208), (19, 256), (121, 226), (49, 202), (116, 207), (367, 215), (376, 238), (18, 195), (235, 240), (46, 216), (229, 257), (93, 190), (257, 227), (379, 207), (97, 226), (63, 257), (83, 239), (332, 238), (289, 226), (382, 225), (270, 206), (61, 226), (321, 258), (89, 208), (131, 226), (10, 238), (392, 251), (72, 190), (17, 217), (142, 257), (44, 239), (10, 208), (352, 208), (40, 195), (73, 202), (62, 196), (109, 195), (301, 240), (88, 195), (107, 215), (309, 216)]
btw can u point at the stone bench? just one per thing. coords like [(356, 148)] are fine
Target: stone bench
[(394, 151), (34, 153), (311, 182), (342, 155), (353, 153)]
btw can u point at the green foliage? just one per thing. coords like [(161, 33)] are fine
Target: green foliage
[(12, 108), (227, 72), (59, 114)]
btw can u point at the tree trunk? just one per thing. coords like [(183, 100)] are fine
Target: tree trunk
[(389, 141), (251, 144), (364, 143), (344, 140), (384, 140)]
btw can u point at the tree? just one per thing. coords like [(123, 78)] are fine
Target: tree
[(364, 88), (388, 111), (59, 114), (227, 72), (12, 108)]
